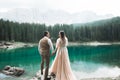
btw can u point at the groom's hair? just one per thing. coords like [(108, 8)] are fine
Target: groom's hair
[(45, 33)]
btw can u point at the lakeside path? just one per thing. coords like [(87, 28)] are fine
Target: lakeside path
[(9, 45), (38, 75), (113, 78), (95, 43)]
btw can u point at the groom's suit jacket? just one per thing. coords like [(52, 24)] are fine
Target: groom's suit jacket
[(45, 45)]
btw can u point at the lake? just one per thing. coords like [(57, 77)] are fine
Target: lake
[(86, 61)]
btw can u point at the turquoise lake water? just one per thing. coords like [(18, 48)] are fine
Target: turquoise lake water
[(86, 61)]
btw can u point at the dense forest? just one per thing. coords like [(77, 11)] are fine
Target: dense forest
[(103, 30)]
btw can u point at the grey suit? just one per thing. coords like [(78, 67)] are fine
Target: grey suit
[(45, 45)]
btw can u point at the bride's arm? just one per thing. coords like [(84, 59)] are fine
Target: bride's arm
[(57, 46), (66, 41), (54, 51)]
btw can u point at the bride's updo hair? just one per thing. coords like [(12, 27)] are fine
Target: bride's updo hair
[(62, 33)]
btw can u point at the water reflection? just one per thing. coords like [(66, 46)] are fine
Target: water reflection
[(108, 54)]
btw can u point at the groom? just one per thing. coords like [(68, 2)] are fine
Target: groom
[(45, 47)]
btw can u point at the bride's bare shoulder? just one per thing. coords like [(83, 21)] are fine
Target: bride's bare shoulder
[(66, 38), (58, 39)]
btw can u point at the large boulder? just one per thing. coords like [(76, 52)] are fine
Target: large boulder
[(13, 71)]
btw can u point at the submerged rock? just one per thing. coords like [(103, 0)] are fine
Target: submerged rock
[(13, 71)]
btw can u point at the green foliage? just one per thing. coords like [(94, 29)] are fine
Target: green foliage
[(104, 30)]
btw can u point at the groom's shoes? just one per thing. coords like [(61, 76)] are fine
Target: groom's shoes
[(42, 77), (48, 78), (41, 72)]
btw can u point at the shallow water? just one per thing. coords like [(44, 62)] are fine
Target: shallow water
[(86, 61)]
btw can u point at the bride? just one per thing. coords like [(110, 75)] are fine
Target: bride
[(61, 64)]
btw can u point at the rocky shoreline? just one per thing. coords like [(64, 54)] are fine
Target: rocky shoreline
[(38, 77), (94, 43), (113, 78), (116, 78), (13, 45)]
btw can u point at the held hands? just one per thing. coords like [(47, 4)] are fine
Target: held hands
[(53, 53)]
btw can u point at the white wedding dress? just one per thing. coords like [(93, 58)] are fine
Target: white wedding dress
[(61, 64)]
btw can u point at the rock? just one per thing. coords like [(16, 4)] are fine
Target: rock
[(7, 43), (35, 78), (38, 76), (18, 71), (7, 67), (4, 45), (26, 45), (13, 71)]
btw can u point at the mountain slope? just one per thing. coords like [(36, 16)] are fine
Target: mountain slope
[(51, 16)]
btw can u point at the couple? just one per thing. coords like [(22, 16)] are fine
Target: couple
[(61, 64)]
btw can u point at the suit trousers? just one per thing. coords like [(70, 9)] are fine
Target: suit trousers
[(45, 59)]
